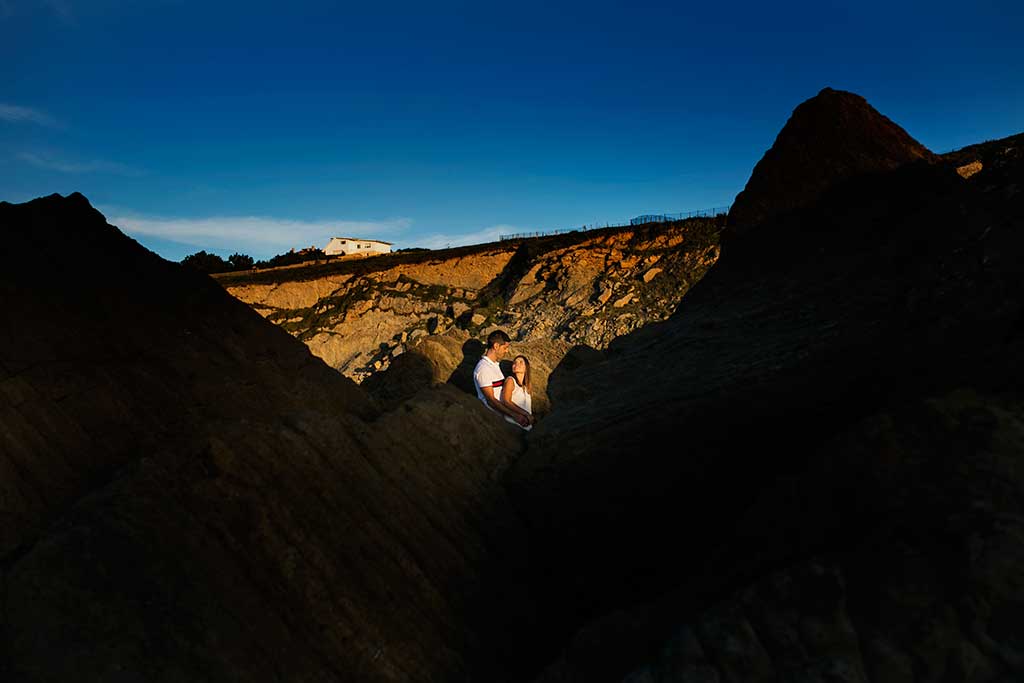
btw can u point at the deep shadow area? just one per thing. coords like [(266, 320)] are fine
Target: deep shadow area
[(889, 289), (462, 376), (189, 494), (561, 387), (408, 374)]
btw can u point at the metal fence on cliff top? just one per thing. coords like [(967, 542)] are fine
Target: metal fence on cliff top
[(638, 220)]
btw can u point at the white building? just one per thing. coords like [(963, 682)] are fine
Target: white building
[(347, 246)]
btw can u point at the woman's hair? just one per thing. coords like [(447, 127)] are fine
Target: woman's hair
[(526, 375)]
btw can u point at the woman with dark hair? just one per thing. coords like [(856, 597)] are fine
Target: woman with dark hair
[(515, 393)]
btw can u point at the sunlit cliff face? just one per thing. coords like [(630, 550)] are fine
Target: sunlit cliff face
[(588, 288)]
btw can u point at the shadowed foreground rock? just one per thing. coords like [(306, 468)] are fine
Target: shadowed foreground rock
[(895, 557), (188, 494), (928, 584)]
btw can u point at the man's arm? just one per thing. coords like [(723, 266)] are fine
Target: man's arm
[(500, 407)]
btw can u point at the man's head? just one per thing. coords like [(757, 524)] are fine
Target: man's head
[(498, 343)]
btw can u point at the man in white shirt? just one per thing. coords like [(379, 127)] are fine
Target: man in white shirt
[(488, 377)]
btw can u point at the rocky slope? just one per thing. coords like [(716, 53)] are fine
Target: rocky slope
[(581, 288), (188, 494), (925, 584)]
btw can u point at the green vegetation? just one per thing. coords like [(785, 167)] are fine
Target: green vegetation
[(293, 257), (212, 263)]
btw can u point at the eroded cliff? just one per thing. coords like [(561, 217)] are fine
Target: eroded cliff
[(581, 288)]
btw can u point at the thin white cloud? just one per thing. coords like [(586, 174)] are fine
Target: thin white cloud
[(13, 113), (443, 240), (51, 163), (252, 234)]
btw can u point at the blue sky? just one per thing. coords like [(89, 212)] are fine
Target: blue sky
[(258, 127)]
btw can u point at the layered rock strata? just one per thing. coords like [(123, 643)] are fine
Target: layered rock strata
[(583, 288)]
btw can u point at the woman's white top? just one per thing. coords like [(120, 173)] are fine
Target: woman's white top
[(522, 399)]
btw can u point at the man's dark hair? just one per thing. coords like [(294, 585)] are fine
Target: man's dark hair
[(497, 337)]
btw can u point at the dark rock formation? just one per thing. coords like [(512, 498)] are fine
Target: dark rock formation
[(832, 137), (894, 556), (998, 152), (923, 581), (188, 494), (889, 291)]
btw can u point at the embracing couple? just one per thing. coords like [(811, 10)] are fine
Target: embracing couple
[(510, 395)]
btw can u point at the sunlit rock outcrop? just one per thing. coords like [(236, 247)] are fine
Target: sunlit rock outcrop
[(579, 288)]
